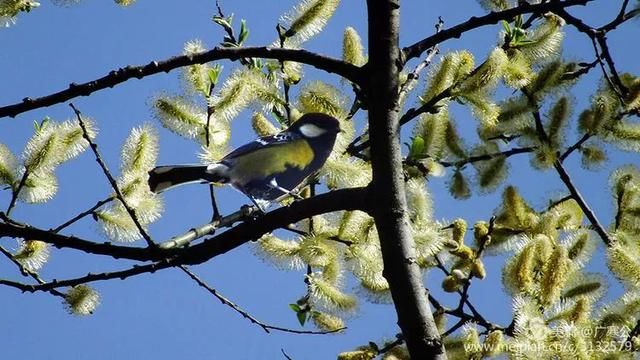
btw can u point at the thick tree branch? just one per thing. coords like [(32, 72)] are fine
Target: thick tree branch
[(348, 71), (390, 211), (415, 50), (345, 199), (23, 231)]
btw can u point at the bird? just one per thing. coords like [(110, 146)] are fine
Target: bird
[(266, 169)]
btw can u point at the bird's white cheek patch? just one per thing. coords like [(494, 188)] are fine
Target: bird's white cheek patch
[(311, 131)]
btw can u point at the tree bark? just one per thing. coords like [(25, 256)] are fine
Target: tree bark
[(389, 207)]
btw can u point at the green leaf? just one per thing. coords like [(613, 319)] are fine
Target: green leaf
[(417, 148), (224, 22), (295, 307), (39, 126), (244, 32), (214, 74), (519, 21), (506, 27), (302, 317)]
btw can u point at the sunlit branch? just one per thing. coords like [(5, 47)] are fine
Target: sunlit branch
[(246, 212), (413, 76)]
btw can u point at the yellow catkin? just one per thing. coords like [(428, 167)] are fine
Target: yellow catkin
[(554, 276), (352, 50), (450, 284), (493, 343), (262, 126)]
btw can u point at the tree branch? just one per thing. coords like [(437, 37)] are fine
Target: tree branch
[(112, 181), (122, 274), (345, 199), (246, 315), (27, 272), (338, 200), (485, 157), (115, 77), (416, 49), (83, 214), (390, 212), (575, 193), (24, 231)]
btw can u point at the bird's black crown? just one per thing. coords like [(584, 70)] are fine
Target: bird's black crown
[(323, 121)]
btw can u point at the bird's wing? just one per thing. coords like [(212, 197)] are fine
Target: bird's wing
[(260, 143)]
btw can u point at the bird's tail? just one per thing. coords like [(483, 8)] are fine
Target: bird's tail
[(164, 177)]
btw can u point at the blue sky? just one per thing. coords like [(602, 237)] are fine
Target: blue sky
[(165, 315)]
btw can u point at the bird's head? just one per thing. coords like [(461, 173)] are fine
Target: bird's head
[(314, 125)]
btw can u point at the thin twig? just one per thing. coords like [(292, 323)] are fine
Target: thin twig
[(29, 273), (112, 181), (246, 315), (397, 342), (574, 147), (285, 355), (121, 274), (83, 214), (604, 71), (575, 193), (485, 157), (412, 113), (413, 76), (566, 179), (484, 241), (455, 327), (16, 191), (623, 16), (606, 54), (628, 343)]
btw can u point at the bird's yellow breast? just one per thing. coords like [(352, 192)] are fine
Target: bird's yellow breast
[(273, 160)]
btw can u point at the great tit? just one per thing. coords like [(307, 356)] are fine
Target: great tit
[(265, 169)]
